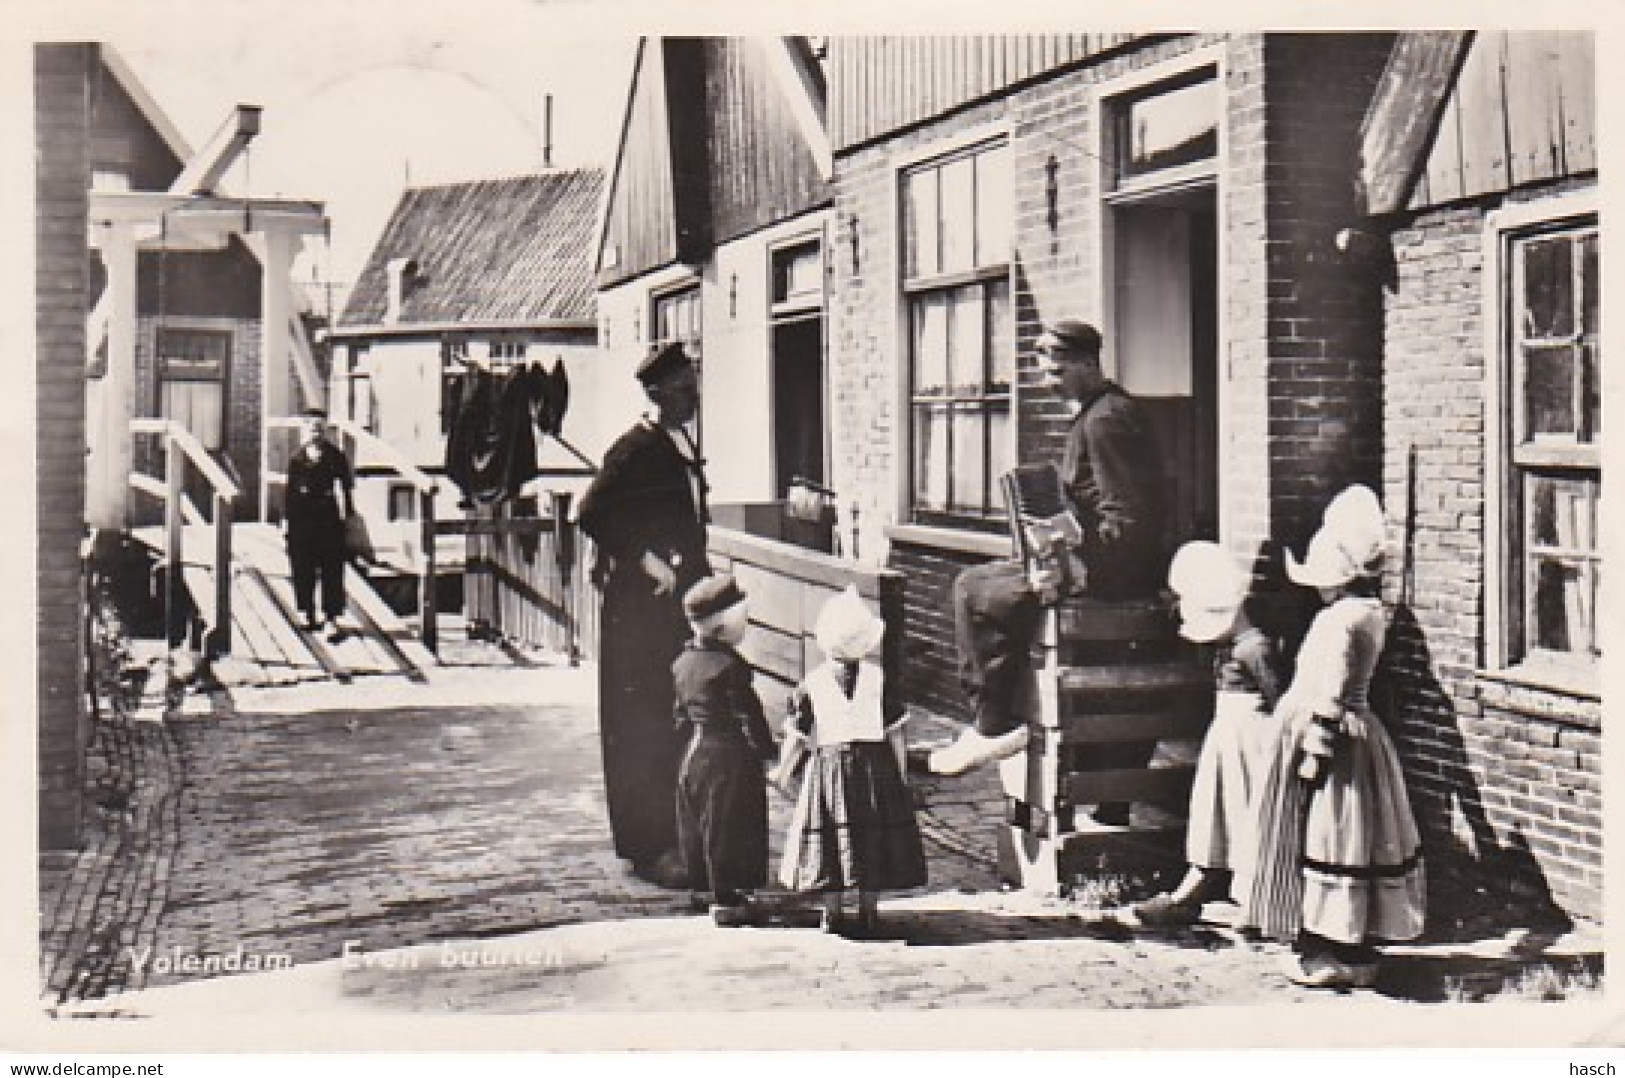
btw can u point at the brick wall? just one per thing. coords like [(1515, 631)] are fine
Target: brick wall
[(62, 177), (1302, 333), (1505, 778)]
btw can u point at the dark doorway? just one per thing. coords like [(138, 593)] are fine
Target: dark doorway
[(798, 401), (1166, 324)]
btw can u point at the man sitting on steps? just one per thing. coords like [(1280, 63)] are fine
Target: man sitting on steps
[(1113, 477)]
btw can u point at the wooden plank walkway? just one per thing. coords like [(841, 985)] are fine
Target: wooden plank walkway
[(269, 645)]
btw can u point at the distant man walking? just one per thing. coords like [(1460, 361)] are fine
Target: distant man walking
[(319, 477)]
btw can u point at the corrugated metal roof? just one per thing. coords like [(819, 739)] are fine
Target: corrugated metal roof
[(512, 250)]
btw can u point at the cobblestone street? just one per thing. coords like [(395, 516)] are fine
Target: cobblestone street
[(452, 838)]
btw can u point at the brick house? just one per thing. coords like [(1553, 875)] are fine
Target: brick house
[(200, 291), (714, 234), (151, 301), (495, 273), (1224, 208)]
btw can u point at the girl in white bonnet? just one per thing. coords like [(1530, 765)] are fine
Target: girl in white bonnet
[(1247, 682), (853, 827), (1339, 861)]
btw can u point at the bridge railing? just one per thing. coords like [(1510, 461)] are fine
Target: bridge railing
[(182, 450)]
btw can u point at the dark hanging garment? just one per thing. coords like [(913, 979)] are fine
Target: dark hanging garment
[(491, 451), (473, 446), (516, 438), (557, 395)]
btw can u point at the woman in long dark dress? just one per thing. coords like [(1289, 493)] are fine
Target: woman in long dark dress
[(646, 511)]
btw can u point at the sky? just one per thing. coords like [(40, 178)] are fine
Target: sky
[(362, 98)]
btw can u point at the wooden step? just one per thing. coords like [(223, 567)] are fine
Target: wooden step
[(1086, 619), (1092, 728), (1169, 786)]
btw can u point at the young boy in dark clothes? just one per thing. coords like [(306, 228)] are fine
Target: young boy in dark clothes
[(721, 788)]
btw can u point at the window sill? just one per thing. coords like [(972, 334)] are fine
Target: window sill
[(962, 541), (1544, 691)]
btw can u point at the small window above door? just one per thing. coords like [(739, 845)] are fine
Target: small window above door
[(1166, 132), (798, 278)]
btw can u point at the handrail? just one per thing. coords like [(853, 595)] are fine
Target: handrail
[(181, 446), (189, 510), (390, 455), (187, 442)]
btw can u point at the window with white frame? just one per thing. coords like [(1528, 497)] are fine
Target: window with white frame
[(956, 229), (1551, 426), (677, 318)]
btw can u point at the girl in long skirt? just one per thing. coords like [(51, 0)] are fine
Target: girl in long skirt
[(1219, 838), (853, 828), (1339, 858)]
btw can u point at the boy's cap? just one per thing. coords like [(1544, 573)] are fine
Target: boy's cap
[(712, 595), (663, 359)]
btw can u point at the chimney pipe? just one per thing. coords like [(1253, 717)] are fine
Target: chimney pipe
[(399, 271), (547, 130)]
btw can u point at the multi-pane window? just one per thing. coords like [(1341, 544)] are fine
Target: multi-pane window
[(677, 318), (956, 215), (1554, 422), (192, 380)]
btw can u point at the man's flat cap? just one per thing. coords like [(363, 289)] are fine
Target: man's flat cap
[(663, 359), (1076, 333)]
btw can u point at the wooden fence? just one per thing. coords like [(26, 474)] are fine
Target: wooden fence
[(522, 585), (526, 581)]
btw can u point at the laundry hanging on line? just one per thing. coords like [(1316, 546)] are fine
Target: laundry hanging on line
[(491, 451)]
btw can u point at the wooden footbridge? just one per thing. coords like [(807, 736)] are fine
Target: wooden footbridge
[(268, 642), (233, 595)]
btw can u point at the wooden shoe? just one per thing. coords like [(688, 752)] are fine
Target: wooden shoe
[(973, 749), (1315, 971), (1163, 911), (742, 915)]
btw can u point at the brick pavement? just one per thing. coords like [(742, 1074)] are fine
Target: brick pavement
[(468, 814)]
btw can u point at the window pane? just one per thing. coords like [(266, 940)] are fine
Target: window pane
[(1561, 610), (1548, 288), (994, 198), (930, 343), (1589, 284), (1000, 443), (1001, 336), (958, 215), (197, 406), (1561, 512), (1548, 391), (1170, 128), (969, 447), (920, 223), (931, 457), (967, 335), (1596, 590), (1590, 392)]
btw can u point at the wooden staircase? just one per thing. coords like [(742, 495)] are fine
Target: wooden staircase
[(1108, 673), (269, 645)]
